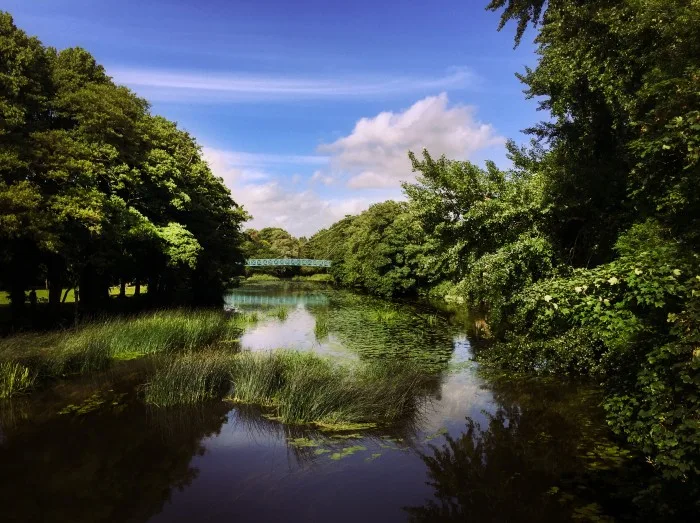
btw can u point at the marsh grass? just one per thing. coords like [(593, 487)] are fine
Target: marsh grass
[(306, 388), (261, 277), (14, 379), (321, 327), (190, 378), (294, 387), (281, 313), (95, 346), (321, 278), (384, 315)]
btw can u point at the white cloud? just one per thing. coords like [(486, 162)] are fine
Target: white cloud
[(302, 213), (372, 159), (216, 87), (322, 177), (375, 155)]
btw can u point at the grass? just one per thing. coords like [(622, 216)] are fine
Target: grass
[(383, 315), (306, 388), (261, 277), (297, 388), (94, 346), (14, 379), (42, 295), (281, 313), (321, 277), (190, 379), (321, 327)]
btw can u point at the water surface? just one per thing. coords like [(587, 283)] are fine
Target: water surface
[(480, 449)]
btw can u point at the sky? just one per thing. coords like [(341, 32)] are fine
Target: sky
[(307, 109)]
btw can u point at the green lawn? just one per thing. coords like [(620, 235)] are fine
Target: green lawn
[(43, 294)]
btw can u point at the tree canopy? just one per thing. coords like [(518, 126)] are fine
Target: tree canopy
[(582, 258), (95, 190)]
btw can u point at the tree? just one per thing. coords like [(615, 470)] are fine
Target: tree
[(97, 191)]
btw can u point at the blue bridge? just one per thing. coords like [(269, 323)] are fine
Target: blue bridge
[(286, 262)]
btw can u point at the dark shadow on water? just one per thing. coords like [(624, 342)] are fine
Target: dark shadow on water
[(105, 466), (543, 454)]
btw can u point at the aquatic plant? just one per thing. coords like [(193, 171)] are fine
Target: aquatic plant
[(281, 313), (295, 387), (304, 388), (261, 277), (14, 379), (321, 327), (383, 314), (190, 378), (321, 278), (94, 346)]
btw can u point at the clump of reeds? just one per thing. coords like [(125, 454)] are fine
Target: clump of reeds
[(190, 378), (296, 387), (261, 277), (305, 388), (384, 315), (321, 327), (94, 346), (14, 379), (281, 313)]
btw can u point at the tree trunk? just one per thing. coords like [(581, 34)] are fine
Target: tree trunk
[(122, 289), (137, 288), (55, 283)]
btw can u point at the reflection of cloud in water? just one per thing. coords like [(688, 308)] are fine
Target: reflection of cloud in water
[(295, 332), (461, 394)]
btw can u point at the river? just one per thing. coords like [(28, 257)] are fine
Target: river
[(479, 450)]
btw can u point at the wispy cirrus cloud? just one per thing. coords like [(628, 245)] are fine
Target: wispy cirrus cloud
[(203, 86)]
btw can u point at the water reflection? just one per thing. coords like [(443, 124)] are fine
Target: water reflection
[(525, 452), (341, 323), (529, 460), (102, 467)]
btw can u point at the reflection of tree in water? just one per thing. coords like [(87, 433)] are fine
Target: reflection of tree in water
[(106, 468), (251, 419), (543, 457)]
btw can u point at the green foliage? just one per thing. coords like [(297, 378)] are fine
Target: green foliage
[(95, 191), (378, 250), (582, 259)]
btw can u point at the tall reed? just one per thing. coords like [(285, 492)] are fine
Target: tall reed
[(96, 345), (14, 379), (190, 378)]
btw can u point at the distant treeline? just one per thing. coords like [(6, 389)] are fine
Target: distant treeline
[(583, 257), (95, 191)]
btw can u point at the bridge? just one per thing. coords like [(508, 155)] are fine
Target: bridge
[(239, 300), (286, 262)]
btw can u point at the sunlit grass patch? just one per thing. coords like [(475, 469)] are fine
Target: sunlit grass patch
[(281, 313), (384, 315), (261, 277), (94, 346), (321, 327)]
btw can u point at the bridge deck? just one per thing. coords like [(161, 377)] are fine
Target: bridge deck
[(287, 262)]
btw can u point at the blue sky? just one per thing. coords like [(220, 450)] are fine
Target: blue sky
[(307, 108)]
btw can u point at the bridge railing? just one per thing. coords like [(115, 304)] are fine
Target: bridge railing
[(287, 262)]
